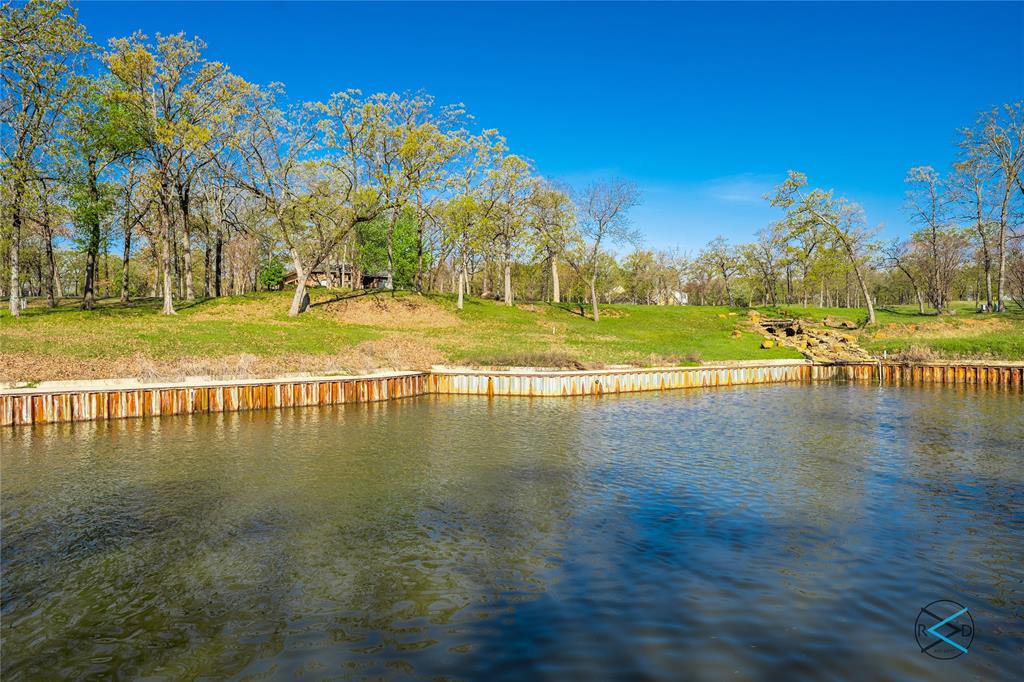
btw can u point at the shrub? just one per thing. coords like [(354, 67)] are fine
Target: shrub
[(272, 275)]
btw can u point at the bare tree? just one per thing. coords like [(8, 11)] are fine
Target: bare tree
[(897, 253), (723, 259), (930, 203), (603, 211), (974, 180), (843, 221), (999, 135)]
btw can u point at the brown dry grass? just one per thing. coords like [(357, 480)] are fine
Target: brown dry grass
[(391, 353), (656, 360), (394, 353), (916, 354), (406, 312), (18, 366), (240, 311), (547, 359), (950, 328)]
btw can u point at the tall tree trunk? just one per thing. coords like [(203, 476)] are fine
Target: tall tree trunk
[(154, 288), (15, 293), (299, 300), (125, 262), (556, 290), (508, 283), (165, 218), (390, 239), (106, 269), (1001, 274), (218, 263), (867, 296), (172, 230), (207, 262), (593, 297), (168, 279), (186, 242), (462, 287), (986, 256), (53, 290), (88, 293), (93, 247), (39, 276), (419, 251)]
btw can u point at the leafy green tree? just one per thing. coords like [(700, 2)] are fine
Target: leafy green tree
[(723, 260), (272, 275), (553, 219), (100, 132), (507, 193), (175, 92), (843, 222), (310, 207), (42, 47), (372, 238)]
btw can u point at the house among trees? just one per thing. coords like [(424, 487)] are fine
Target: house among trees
[(673, 297), (343, 276)]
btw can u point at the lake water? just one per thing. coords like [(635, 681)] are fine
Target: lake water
[(772, 533)]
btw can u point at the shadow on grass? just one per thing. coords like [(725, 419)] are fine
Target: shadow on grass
[(113, 306), (907, 313), (576, 309), (353, 295)]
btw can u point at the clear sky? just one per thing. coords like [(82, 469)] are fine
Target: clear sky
[(705, 106)]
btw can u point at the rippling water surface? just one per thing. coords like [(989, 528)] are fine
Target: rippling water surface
[(777, 533)]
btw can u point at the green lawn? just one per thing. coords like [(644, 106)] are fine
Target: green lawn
[(344, 332)]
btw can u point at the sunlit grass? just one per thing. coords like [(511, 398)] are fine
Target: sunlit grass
[(485, 332)]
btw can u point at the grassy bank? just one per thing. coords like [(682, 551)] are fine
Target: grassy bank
[(345, 333), (964, 334)]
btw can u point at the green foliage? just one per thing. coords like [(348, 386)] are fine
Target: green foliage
[(373, 250), (272, 275), (89, 209)]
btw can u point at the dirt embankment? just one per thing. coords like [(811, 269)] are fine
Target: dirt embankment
[(406, 312)]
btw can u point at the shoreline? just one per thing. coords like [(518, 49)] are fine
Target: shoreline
[(75, 401)]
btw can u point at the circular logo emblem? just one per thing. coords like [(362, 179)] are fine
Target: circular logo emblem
[(944, 629)]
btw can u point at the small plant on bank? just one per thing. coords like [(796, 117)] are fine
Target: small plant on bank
[(272, 275)]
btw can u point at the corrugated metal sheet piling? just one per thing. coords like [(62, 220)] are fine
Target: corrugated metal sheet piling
[(96, 402)]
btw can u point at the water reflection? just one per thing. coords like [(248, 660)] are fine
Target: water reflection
[(761, 533)]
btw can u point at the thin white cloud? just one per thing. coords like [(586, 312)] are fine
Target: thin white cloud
[(747, 188)]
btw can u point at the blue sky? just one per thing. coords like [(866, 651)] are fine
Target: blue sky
[(705, 106)]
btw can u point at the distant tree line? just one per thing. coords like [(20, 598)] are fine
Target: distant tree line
[(141, 169)]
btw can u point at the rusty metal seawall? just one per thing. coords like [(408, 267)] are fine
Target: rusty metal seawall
[(116, 401), (968, 373), (29, 406)]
